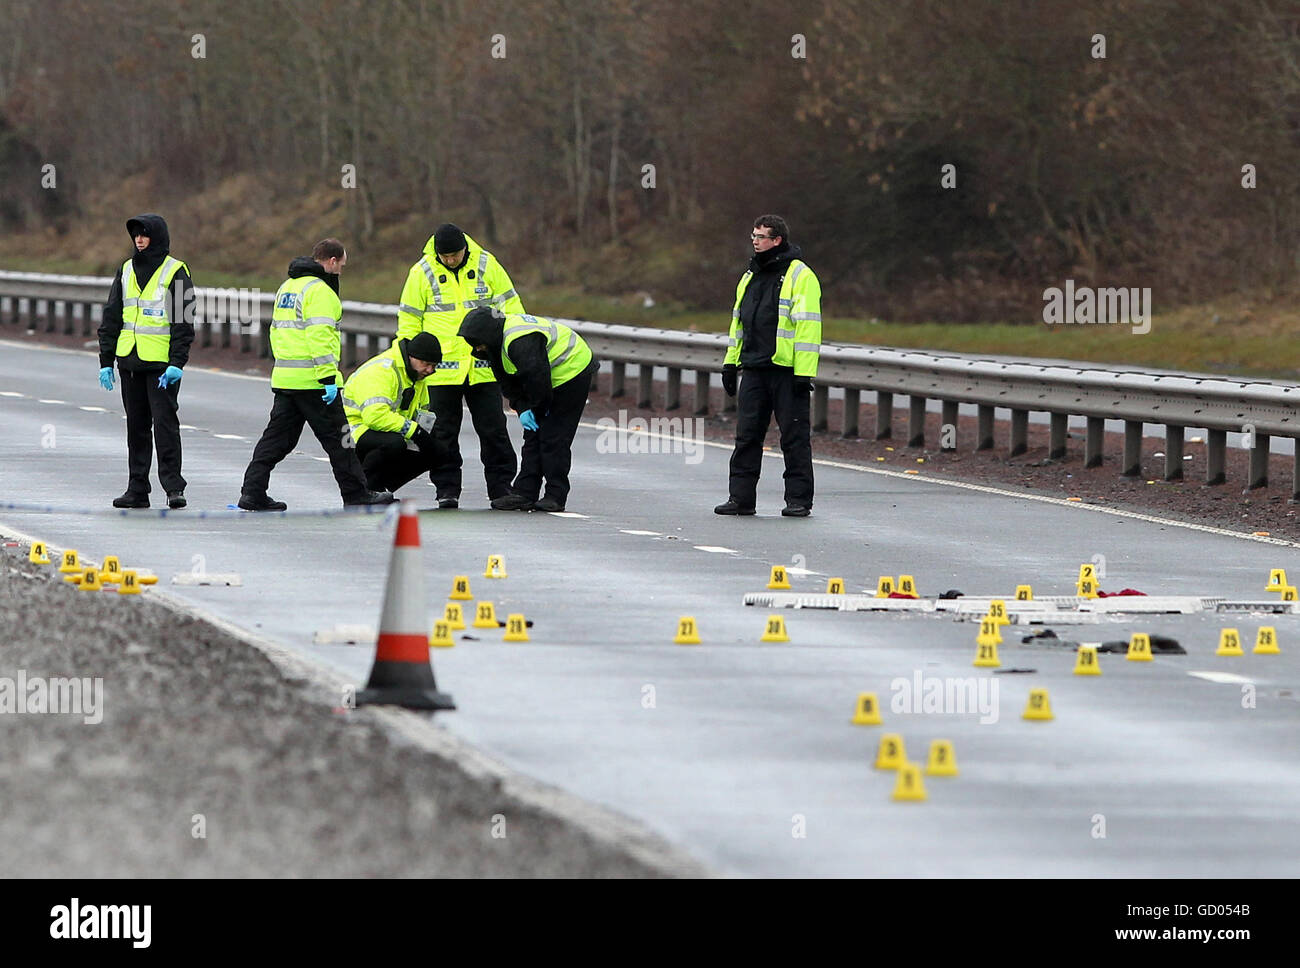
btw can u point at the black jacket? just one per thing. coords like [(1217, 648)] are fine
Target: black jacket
[(530, 387), (180, 310), (759, 304)]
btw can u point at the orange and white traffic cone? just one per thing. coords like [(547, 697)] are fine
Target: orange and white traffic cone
[(402, 674)]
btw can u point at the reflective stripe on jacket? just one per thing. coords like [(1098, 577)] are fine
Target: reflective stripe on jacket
[(146, 320), (305, 334), (380, 395), (567, 352), (799, 321)]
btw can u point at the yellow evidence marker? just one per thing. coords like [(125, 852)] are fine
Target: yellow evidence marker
[(1139, 648), (687, 631), (441, 638), (890, 755), (516, 628), (485, 616), (867, 710), (775, 630), (943, 761), (779, 578), (1085, 662)]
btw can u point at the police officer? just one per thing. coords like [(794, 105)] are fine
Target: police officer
[(775, 341), (147, 328), (305, 382), (545, 370), (454, 276), (387, 405)]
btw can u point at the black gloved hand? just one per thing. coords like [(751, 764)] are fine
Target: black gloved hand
[(422, 439), (729, 379), (803, 384)]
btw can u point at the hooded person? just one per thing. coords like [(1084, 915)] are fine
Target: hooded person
[(454, 276), (545, 370), (146, 329), (387, 406), (305, 382)]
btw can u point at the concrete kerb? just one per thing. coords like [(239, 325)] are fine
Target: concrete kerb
[(323, 685)]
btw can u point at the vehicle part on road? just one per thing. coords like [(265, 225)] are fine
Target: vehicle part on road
[(775, 630), (779, 578), (890, 755), (1085, 663), (403, 672), (884, 586), (951, 593), (36, 553), (516, 628), (834, 586), (69, 565), (231, 579), (460, 589), (1229, 643), (1266, 641), (909, 785), (453, 616), (687, 632), (943, 759), (441, 638), (1039, 706), (485, 616), (867, 710), (496, 567)]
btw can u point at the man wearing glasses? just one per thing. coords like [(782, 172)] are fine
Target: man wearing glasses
[(776, 335)]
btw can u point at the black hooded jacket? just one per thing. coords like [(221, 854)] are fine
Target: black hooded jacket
[(530, 387), (759, 304), (180, 310)]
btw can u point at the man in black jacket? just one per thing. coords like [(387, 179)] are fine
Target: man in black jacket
[(147, 328), (775, 342)]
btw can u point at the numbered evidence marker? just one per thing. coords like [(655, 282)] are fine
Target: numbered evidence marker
[(1087, 587), (1024, 593), (1266, 641), (516, 628), (1139, 648), (943, 761), (775, 630), (1085, 662), (835, 586), (1276, 580), (129, 585), (909, 785), (986, 651), (867, 710), (485, 616), (70, 565), (884, 586), (779, 578), (90, 580), (687, 632), (890, 754), (441, 636), (37, 554), (907, 586), (454, 616), (111, 571), (998, 612), (1229, 643), (460, 589), (496, 567), (1039, 706)]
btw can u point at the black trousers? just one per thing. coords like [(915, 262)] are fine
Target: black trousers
[(548, 451), (389, 463), (290, 411), (764, 391), (152, 419), (488, 415)]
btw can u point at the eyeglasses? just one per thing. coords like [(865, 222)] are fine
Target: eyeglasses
[(755, 236)]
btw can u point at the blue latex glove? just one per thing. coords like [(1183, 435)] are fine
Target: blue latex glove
[(170, 375), (528, 420), (331, 391), (106, 377)]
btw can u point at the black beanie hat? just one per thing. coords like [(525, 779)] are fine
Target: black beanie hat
[(426, 347), (448, 238)]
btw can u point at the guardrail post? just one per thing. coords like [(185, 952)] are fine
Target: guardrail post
[(349, 350), (1132, 449), (948, 418), (1258, 463), (1216, 448), (852, 405), (264, 340), (1059, 433), (86, 329), (1019, 432), (820, 404), (1173, 453), (984, 428), (617, 376), (1295, 474), (69, 323), (51, 321), (915, 421), (884, 415), (673, 390), (644, 386), (1095, 443), (702, 380)]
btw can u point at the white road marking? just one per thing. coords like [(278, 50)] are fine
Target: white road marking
[(325, 459), (568, 514), (229, 437), (51, 401), (649, 534), (188, 427), (715, 549), (93, 409), (1226, 677), (11, 393)]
